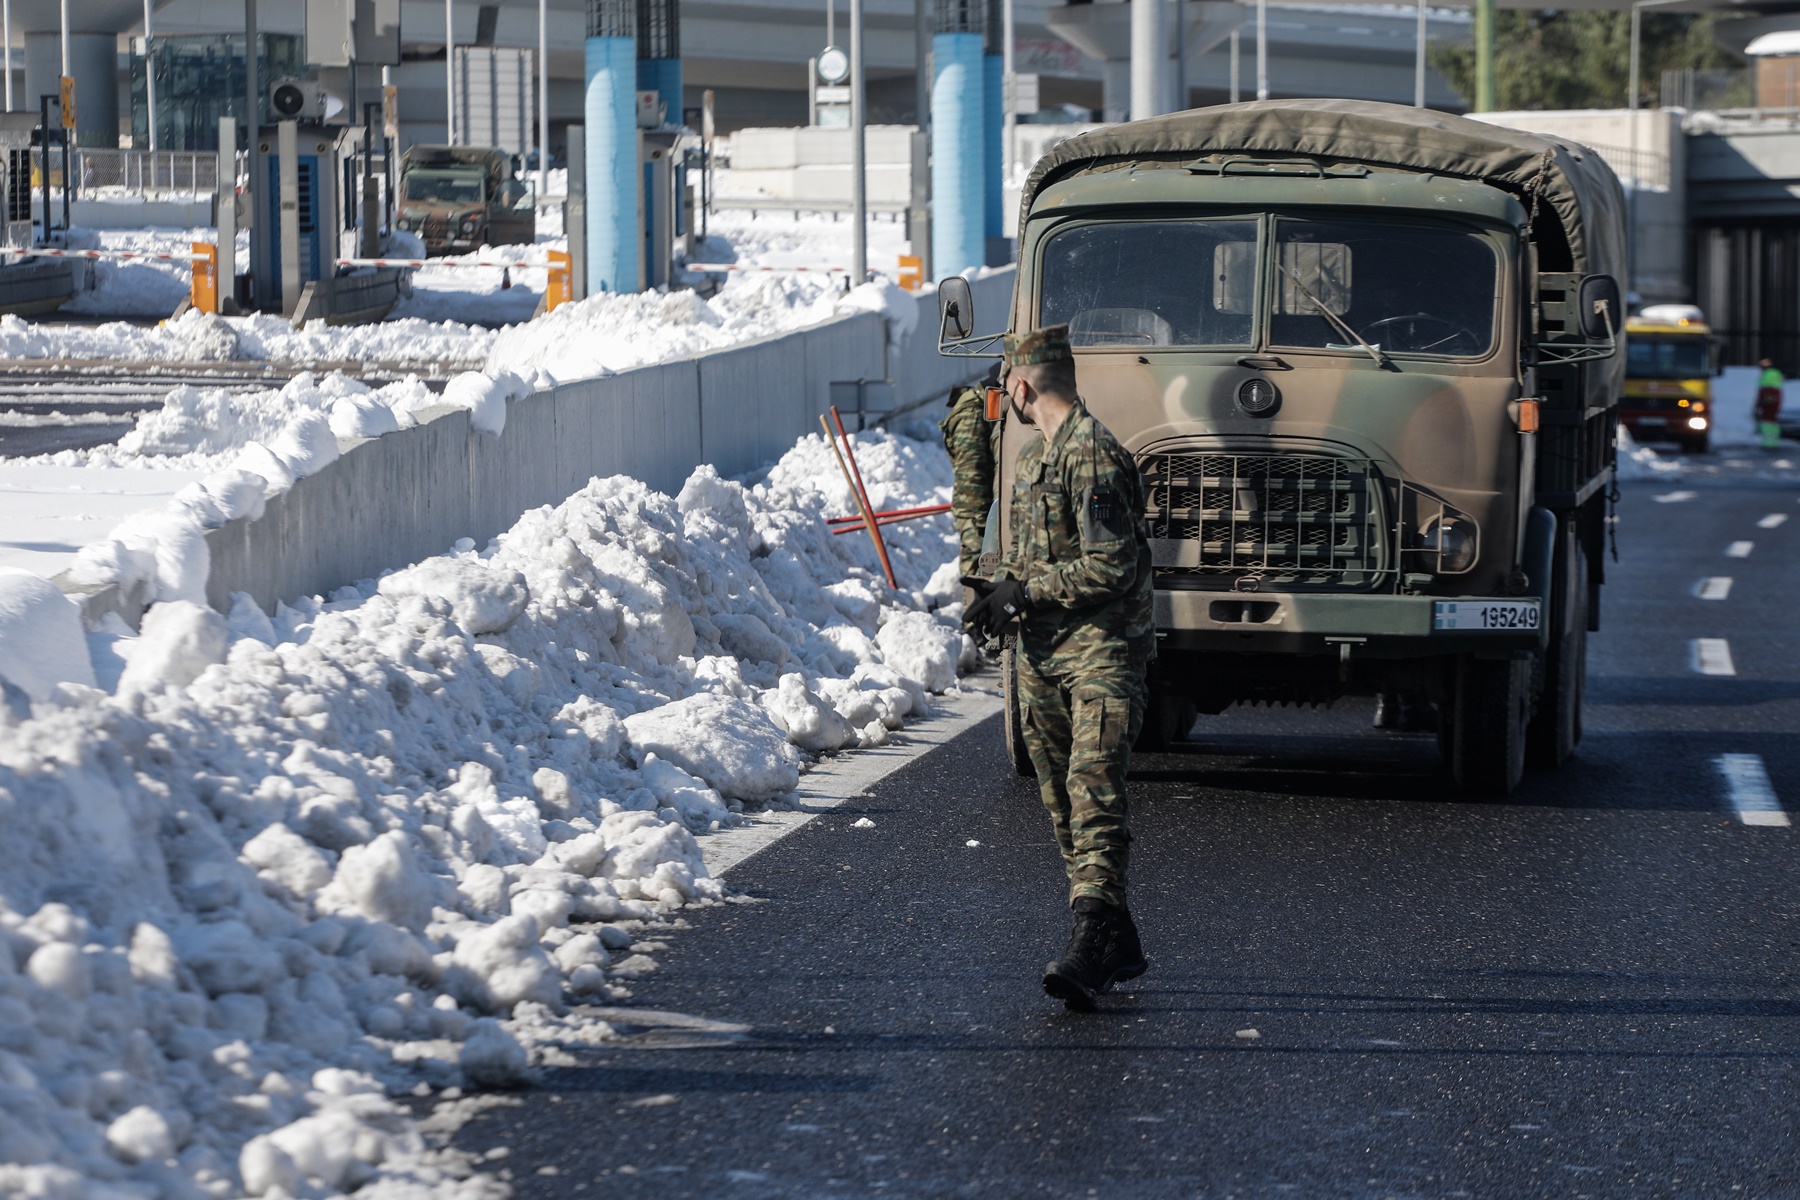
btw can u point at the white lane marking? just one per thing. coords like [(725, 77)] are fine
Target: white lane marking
[(1712, 656), (851, 774), (1772, 521), (1715, 587), (1739, 549), (1751, 793), (1675, 497)]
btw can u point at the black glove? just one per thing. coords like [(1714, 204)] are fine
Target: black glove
[(1004, 602)]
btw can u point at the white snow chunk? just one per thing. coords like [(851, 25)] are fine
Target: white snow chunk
[(811, 724), (498, 966), (921, 648), (383, 881), (285, 857), (41, 640), (482, 599), (862, 823), (178, 640), (492, 1057), (141, 1135), (730, 743), (486, 397)]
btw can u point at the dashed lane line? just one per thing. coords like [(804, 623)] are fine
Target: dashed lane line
[(1675, 497), (1772, 521), (1739, 549), (1712, 656), (1751, 794), (1714, 587)]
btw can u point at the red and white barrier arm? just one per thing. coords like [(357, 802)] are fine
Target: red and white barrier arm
[(185, 256), (437, 262), (708, 268)]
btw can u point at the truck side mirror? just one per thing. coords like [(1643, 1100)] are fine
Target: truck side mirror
[(956, 309), (1599, 309)]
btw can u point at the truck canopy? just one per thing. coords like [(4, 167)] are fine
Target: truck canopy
[(1581, 208)]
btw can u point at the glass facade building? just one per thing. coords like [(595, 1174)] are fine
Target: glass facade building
[(200, 79)]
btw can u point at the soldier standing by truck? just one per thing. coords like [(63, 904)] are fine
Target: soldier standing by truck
[(1077, 578), (969, 437)]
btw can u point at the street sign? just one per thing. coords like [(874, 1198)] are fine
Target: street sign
[(1023, 94), (834, 65), (68, 101), (832, 95)]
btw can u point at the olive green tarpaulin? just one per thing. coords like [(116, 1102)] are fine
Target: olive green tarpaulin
[(1567, 177)]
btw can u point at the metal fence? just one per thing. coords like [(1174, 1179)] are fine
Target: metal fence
[(139, 172), (1641, 168)]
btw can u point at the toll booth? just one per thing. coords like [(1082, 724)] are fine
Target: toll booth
[(298, 200), (661, 212), (15, 178)]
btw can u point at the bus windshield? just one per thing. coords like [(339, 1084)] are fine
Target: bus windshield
[(1662, 356)]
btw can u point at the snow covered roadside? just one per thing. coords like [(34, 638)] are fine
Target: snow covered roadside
[(288, 871)]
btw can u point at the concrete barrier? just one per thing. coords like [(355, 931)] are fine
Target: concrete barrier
[(390, 501)]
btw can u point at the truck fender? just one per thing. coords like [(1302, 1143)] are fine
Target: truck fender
[(1540, 566)]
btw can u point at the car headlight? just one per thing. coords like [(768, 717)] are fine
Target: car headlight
[(1452, 540), (1696, 422)]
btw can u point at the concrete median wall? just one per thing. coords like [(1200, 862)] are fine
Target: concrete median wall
[(390, 501)]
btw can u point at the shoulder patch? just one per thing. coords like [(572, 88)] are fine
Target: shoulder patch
[(1103, 517)]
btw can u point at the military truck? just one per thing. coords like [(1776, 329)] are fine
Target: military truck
[(460, 198), (1368, 359)]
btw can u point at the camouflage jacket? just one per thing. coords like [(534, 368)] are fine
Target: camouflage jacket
[(1079, 543), (968, 436)]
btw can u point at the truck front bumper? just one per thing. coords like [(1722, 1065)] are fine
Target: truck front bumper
[(1315, 623)]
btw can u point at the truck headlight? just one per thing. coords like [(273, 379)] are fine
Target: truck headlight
[(403, 222), (1696, 422), (1452, 540), (470, 224)]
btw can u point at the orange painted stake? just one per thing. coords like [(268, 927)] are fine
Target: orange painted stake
[(853, 477)]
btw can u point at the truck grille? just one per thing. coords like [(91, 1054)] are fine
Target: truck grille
[(435, 232), (1275, 521)]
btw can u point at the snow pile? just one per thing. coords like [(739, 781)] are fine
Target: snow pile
[(1637, 462), (41, 642), (296, 867)]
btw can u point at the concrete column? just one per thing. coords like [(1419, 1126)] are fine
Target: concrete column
[(1148, 54), (958, 141), (662, 76), (613, 179), (94, 61), (993, 151)]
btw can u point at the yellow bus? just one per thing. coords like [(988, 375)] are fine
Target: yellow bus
[(1670, 361)]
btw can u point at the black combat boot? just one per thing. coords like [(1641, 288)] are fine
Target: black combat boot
[(1103, 950)]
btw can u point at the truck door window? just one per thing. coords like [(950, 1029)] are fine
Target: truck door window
[(1404, 289), (1151, 283)]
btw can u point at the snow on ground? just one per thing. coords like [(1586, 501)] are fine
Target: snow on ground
[(773, 237), (270, 877)]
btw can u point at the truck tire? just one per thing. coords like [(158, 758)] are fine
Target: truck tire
[(1487, 719), (1014, 722), (1167, 722), (1556, 726)]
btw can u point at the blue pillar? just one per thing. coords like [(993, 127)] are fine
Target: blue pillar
[(993, 87), (662, 76), (958, 146), (613, 183)]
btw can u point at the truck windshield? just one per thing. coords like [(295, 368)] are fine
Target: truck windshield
[(1151, 283), (452, 187), (1648, 356), (1403, 289)]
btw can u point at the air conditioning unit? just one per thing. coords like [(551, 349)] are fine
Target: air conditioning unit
[(296, 100)]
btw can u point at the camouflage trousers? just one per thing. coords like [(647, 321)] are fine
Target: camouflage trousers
[(1078, 728)]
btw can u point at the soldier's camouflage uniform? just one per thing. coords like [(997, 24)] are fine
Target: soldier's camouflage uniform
[(1079, 544), (969, 437)]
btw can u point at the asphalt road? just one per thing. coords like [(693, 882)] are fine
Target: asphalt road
[(1361, 985)]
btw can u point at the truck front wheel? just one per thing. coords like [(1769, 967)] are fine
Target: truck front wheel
[(1486, 724), (1556, 727)]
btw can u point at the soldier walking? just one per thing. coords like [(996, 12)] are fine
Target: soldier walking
[(1077, 579)]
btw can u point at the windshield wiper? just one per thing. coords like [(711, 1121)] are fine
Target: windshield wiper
[(1337, 322)]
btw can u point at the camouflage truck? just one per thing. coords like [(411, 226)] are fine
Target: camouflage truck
[(1368, 359), (460, 198)]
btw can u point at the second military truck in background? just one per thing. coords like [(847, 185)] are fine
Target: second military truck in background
[(460, 198), (1368, 359)]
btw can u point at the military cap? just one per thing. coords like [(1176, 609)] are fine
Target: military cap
[(1047, 345)]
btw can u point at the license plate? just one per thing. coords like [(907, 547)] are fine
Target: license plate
[(1652, 421), (1485, 614)]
